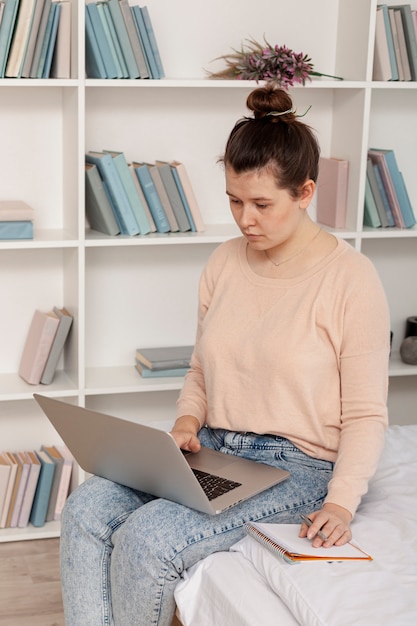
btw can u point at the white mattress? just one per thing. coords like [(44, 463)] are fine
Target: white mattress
[(248, 586)]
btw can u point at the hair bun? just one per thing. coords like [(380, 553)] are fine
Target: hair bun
[(270, 101)]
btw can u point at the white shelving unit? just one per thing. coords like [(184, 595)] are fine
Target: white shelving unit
[(126, 292)]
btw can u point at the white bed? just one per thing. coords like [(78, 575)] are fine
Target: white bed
[(248, 586)]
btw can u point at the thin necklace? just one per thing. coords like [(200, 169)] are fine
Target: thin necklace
[(294, 255)]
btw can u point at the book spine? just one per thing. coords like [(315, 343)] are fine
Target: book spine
[(123, 38), (151, 195), (22, 229)]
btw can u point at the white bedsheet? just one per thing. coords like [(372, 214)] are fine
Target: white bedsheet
[(250, 586)]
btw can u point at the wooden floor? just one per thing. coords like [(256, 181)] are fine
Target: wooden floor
[(30, 590)]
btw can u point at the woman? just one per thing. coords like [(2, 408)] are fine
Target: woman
[(289, 368)]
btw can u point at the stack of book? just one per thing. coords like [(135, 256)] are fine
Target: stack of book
[(34, 485), (44, 344), (120, 41), (16, 220), (35, 39), (387, 202), (138, 198), (395, 52), (164, 361)]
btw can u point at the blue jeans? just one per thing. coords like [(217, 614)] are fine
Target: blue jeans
[(123, 551)]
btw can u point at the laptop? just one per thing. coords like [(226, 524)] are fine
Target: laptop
[(148, 459)]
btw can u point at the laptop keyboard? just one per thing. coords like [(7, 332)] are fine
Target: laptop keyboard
[(214, 486)]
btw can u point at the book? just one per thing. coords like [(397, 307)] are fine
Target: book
[(174, 197), (61, 61), (21, 229), (43, 489), (15, 211), (115, 48), (374, 189), (37, 346), (125, 217), (142, 197), (63, 460), (94, 64), (22, 475), (190, 201), (134, 39), (402, 45), (163, 196), (410, 36), (152, 39), (98, 207), (396, 43), (370, 215), (144, 37), (145, 372), (382, 61), (152, 197), (102, 40), (123, 37), (6, 32), (10, 488), (332, 187), (394, 186), (390, 217), (283, 541), (20, 38), (5, 469), (50, 46), (390, 42), (61, 335), (42, 38), (166, 357), (136, 205), (29, 494), (31, 43)]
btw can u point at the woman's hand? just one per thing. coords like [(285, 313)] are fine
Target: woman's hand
[(185, 433), (333, 521)]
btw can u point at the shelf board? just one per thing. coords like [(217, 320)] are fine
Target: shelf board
[(43, 238), (125, 379), (14, 388), (214, 233), (51, 529), (398, 368)]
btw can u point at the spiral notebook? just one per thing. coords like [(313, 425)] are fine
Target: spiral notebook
[(283, 540)]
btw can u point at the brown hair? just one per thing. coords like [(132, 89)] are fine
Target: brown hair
[(274, 138)]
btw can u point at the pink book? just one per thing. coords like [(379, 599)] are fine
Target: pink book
[(332, 188), (38, 345)]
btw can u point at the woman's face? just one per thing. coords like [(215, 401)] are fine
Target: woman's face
[(266, 215)]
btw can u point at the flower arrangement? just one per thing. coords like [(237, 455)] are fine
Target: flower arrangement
[(276, 64)]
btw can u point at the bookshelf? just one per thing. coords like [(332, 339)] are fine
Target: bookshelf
[(126, 291)]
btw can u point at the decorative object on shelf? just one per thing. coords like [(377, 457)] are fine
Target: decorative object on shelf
[(411, 326), (408, 350), (275, 64)]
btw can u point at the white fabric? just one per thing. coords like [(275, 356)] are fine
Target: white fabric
[(383, 591)]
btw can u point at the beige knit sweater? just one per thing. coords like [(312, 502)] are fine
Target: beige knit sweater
[(303, 358)]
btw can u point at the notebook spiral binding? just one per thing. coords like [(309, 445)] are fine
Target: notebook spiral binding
[(273, 547)]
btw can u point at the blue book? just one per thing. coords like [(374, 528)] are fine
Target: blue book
[(400, 188), (144, 37), (138, 209), (116, 53), (390, 42), (152, 197), (153, 42), (6, 32), (40, 38), (105, 13), (94, 64), (123, 37), (102, 40), (46, 39), (145, 372), (52, 41), (120, 200), (183, 198), (16, 230), (43, 490)]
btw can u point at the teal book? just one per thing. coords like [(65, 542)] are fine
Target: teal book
[(147, 373), (370, 216), (46, 39), (102, 40), (152, 39), (6, 32), (94, 65), (134, 39), (123, 37), (138, 209), (400, 188), (108, 171), (107, 18), (40, 38), (52, 41), (110, 36), (16, 230), (410, 36), (174, 196), (43, 490), (98, 207), (152, 198), (390, 42), (144, 37)]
